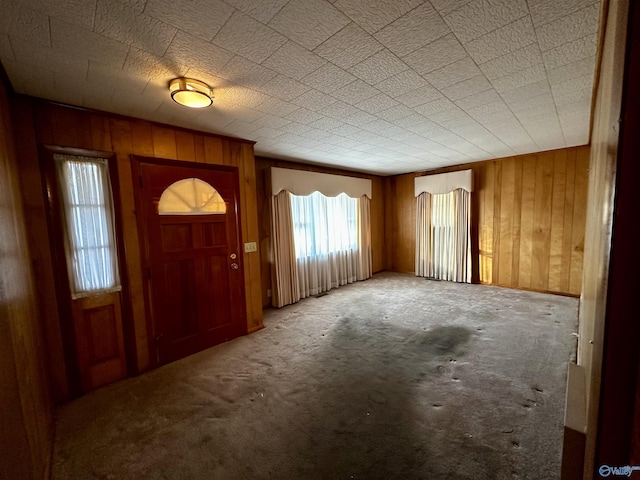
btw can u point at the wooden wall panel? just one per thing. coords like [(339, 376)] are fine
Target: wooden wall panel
[(26, 430), (70, 127), (530, 231), (263, 185)]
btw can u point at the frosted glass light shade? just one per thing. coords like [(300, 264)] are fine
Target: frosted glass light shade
[(191, 196), (191, 93)]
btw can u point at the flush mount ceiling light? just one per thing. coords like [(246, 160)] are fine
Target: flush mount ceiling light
[(191, 93)]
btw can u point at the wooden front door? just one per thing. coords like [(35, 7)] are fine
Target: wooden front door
[(193, 259)]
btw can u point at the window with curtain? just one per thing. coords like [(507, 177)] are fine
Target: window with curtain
[(324, 225), (443, 226), (88, 216), (320, 233)]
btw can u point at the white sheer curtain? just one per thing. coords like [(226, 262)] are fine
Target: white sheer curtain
[(443, 247), (284, 274), (88, 216), (318, 243), (326, 241)]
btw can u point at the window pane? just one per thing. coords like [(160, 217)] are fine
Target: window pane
[(324, 225), (86, 196)]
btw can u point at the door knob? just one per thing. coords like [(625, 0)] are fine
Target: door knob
[(234, 266)]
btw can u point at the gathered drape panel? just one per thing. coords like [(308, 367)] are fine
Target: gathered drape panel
[(285, 284), (443, 248), (365, 263), (423, 235), (319, 243), (325, 230), (462, 235)]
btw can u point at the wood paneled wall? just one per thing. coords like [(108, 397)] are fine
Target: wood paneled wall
[(263, 166), (47, 123), (599, 226), (529, 215), (26, 412)]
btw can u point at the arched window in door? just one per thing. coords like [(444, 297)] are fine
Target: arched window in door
[(191, 196)]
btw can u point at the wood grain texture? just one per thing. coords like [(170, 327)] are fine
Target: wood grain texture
[(530, 234), (70, 127), (26, 432)]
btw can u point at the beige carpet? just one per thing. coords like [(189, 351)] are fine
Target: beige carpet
[(395, 377)]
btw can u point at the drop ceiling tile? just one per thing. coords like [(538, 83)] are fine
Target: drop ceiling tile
[(434, 107), (507, 39), (378, 67), (191, 51), (308, 23), (242, 129), (266, 132), (410, 121), (527, 91), (445, 7), (355, 92), (348, 47), (152, 67), (480, 17), (284, 88), (519, 79), (478, 99), (545, 11), (264, 10), (6, 50), (326, 124), (328, 78), (267, 120), (490, 112), (512, 62), (394, 113), (201, 18), (242, 71), (372, 15), (275, 106), (413, 30), (103, 77), (304, 116), (359, 118), (245, 36), (83, 44), (572, 70), (570, 52), (227, 98), (74, 12), (294, 61), (238, 112), (338, 110), (25, 24), (576, 90), (437, 54), (454, 73), (402, 83), (534, 106), (314, 100), (117, 21), (291, 138), (419, 96), (571, 27)]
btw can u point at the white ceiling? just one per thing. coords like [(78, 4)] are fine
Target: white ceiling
[(382, 86)]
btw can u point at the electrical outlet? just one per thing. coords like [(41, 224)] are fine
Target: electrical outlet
[(250, 247)]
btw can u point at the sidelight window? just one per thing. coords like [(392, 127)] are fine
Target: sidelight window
[(87, 213)]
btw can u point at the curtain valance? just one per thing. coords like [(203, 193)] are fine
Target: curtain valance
[(444, 182), (300, 182)]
